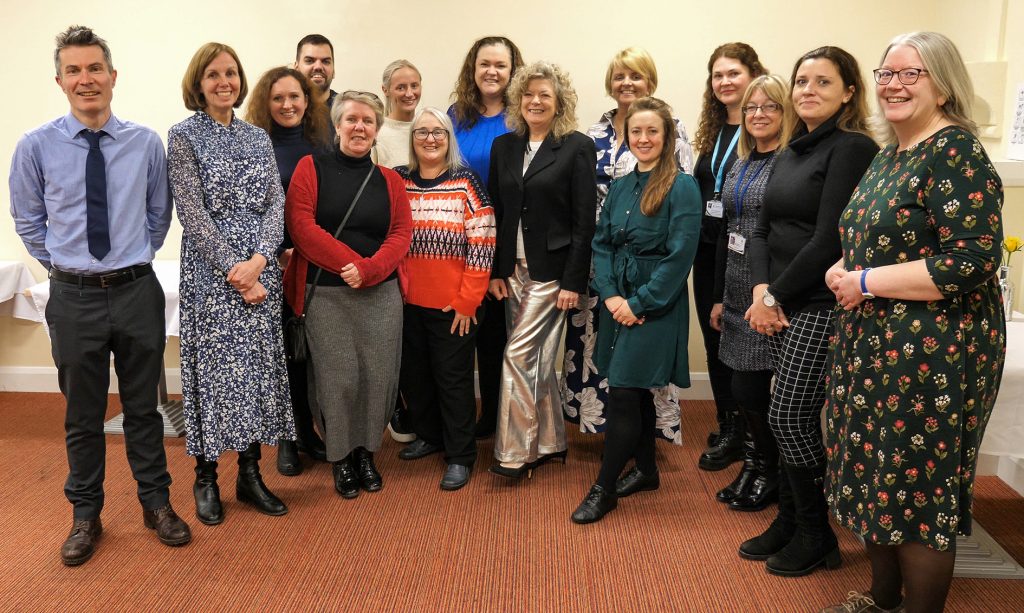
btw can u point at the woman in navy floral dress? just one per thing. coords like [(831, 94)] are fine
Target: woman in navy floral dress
[(631, 76), (231, 206), (918, 351)]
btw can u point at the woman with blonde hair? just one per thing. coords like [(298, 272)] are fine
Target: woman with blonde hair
[(542, 184), (643, 249), (631, 75), (402, 87)]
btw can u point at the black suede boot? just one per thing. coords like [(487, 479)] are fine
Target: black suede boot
[(249, 487), (207, 494), (729, 447), (781, 530), (814, 544)]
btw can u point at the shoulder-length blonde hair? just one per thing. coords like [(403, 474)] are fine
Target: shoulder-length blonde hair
[(777, 90), (565, 98), (946, 69), (637, 60), (192, 91), (314, 119), (453, 158)]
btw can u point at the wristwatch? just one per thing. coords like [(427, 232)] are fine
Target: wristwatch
[(768, 300), (863, 284)]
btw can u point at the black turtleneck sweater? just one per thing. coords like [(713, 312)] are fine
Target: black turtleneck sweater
[(797, 234), (290, 146), (339, 177)]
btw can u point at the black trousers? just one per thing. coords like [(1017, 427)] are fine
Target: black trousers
[(719, 374), (86, 325), (437, 381), (491, 339)]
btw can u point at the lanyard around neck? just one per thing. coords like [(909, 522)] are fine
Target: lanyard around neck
[(720, 173), (738, 195)]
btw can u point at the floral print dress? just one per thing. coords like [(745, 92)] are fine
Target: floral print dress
[(912, 383), (230, 203), (584, 392)]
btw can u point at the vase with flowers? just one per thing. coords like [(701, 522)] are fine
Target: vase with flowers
[(1011, 245)]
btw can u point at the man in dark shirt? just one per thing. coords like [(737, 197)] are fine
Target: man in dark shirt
[(70, 180)]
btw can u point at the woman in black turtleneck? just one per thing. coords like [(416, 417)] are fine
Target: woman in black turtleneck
[(284, 105), (354, 317)]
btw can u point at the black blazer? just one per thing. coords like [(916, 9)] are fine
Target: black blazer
[(557, 202)]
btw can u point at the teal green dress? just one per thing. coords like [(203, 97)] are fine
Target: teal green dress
[(646, 260), (912, 383)]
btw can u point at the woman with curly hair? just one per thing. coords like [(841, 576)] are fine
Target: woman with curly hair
[(543, 186)]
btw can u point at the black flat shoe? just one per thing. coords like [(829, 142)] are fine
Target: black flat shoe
[(596, 505), (418, 449), (366, 471), (288, 462), (455, 476), (635, 481), (345, 481)]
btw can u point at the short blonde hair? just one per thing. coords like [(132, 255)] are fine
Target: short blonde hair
[(453, 159), (637, 60), (777, 90), (368, 98), (565, 98), (192, 91), (946, 69)]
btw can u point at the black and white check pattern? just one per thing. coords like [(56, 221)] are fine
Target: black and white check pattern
[(800, 353)]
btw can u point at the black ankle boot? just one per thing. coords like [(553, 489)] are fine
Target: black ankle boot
[(345, 481), (366, 471), (598, 503), (781, 530), (762, 491), (288, 462), (739, 485), (249, 487), (730, 445), (813, 544), (207, 494)]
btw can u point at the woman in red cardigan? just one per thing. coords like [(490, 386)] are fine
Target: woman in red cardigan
[(354, 320)]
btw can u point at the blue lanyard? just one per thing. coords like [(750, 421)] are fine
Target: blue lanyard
[(720, 173), (739, 196)]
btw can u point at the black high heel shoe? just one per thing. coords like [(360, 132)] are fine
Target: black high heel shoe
[(548, 457), (513, 473)]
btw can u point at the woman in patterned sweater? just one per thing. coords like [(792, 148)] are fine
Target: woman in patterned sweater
[(448, 267)]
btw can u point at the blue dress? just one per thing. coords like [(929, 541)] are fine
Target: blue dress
[(230, 203), (584, 391)]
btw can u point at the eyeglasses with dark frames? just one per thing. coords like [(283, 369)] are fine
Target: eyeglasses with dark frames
[(421, 134), (768, 108), (907, 76)]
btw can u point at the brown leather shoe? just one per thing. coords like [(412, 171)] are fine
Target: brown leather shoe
[(170, 529), (81, 542)]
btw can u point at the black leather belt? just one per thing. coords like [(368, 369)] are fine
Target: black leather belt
[(109, 279)]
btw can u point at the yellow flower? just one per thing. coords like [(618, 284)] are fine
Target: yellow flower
[(1012, 244)]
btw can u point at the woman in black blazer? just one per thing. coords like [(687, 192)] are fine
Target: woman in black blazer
[(542, 184)]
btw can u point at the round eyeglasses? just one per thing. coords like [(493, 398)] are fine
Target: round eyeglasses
[(907, 76), (439, 134)]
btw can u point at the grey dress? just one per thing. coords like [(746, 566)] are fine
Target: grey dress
[(742, 348)]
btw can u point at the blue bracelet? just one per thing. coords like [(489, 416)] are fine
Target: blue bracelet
[(864, 285)]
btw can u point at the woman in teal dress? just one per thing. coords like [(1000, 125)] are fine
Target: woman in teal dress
[(643, 249), (918, 351)]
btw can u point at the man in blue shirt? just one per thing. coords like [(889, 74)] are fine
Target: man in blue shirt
[(90, 200)]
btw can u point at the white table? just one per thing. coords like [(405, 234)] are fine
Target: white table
[(1004, 435), (169, 274)]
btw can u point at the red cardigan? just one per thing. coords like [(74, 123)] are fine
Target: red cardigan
[(316, 245)]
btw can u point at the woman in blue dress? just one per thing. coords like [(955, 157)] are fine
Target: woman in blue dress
[(230, 203), (631, 76)]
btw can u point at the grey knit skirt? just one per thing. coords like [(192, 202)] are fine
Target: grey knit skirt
[(355, 350)]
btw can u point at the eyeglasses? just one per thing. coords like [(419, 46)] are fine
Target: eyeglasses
[(439, 134), (907, 76), (768, 108)]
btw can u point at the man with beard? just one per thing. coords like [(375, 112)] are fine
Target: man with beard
[(314, 57)]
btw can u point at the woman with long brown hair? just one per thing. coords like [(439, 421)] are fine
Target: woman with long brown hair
[(641, 263)]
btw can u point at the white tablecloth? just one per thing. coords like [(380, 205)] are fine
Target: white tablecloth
[(1004, 435), (15, 278), (167, 271)]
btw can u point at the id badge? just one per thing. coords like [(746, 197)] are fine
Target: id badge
[(737, 243), (715, 209)]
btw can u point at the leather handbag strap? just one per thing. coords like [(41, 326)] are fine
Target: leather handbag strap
[(337, 233)]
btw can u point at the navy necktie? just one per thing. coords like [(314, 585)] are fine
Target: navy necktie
[(97, 227)]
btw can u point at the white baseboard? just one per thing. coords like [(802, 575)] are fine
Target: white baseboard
[(1010, 470), (44, 379)]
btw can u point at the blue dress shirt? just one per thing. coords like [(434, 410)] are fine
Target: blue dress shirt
[(47, 186)]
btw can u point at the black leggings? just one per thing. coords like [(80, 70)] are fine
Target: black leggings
[(629, 434)]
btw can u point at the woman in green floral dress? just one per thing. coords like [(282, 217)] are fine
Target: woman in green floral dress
[(919, 345)]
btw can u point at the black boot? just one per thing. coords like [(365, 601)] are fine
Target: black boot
[(288, 462), (781, 530), (814, 544), (207, 494), (366, 472), (739, 485), (730, 445), (249, 487), (345, 481), (762, 491)]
